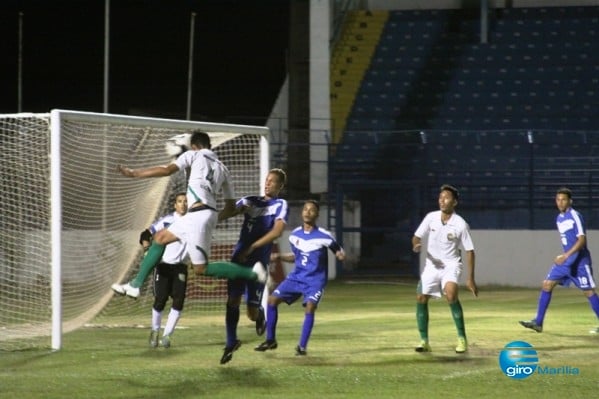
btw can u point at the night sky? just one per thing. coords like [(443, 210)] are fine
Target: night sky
[(239, 59)]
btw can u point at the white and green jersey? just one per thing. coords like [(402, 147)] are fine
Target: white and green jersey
[(207, 177), (445, 239)]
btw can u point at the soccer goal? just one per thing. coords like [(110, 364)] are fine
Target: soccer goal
[(70, 224)]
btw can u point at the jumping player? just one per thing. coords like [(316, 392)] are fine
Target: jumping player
[(264, 219), (207, 177)]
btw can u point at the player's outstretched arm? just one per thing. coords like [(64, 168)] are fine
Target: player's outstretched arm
[(154, 171), (229, 210), (288, 257)]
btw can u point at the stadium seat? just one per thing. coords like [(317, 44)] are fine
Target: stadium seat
[(477, 102)]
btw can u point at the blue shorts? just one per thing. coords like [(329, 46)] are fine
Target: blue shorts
[(580, 273), (291, 290)]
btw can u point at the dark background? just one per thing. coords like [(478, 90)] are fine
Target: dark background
[(240, 57)]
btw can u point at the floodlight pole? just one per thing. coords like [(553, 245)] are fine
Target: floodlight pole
[(106, 53), (20, 66), (484, 21), (190, 66)]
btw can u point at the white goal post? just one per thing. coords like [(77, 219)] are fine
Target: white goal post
[(70, 224)]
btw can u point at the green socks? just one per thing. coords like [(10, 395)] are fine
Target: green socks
[(152, 258), (458, 318), (229, 270), (422, 320)]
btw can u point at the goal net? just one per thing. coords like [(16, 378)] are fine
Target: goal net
[(70, 224)]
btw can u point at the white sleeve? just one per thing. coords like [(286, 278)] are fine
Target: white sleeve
[(423, 229), (467, 239), (228, 189)]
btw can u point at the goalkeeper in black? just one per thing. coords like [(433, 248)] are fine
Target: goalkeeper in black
[(170, 276)]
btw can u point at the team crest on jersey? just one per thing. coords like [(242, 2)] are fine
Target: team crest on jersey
[(565, 225), (450, 237)]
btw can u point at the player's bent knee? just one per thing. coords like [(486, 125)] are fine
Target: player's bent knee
[(252, 313), (421, 298), (549, 285), (178, 304), (159, 307), (199, 269)]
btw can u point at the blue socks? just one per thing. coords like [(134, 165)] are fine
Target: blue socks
[(544, 300), (231, 322)]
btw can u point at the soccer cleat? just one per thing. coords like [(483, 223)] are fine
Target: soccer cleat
[(118, 288), (154, 339), (228, 353), (299, 351), (131, 291), (423, 346), (166, 341), (462, 345), (260, 323), (261, 272), (266, 345), (126, 289), (532, 324), (594, 331)]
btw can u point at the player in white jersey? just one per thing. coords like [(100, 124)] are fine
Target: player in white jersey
[(207, 177), (170, 276), (447, 233)]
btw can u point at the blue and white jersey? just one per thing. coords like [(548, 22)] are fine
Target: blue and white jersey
[(175, 252), (570, 226), (207, 177), (311, 256), (258, 219)]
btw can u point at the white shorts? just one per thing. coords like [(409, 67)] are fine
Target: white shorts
[(195, 229), (433, 279)]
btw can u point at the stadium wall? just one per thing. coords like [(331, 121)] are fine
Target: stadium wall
[(516, 258), (519, 258)]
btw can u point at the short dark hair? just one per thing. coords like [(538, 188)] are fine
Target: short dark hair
[(280, 173), (313, 202), (454, 191), (200, 139), (566, 191)]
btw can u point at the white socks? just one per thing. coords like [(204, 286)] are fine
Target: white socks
[(171, 322)]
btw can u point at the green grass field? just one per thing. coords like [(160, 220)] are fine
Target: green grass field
[(361, 347)]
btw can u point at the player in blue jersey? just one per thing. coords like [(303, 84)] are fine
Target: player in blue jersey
[(309, 245), (572, 266), (170, 276), (264, 219)]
